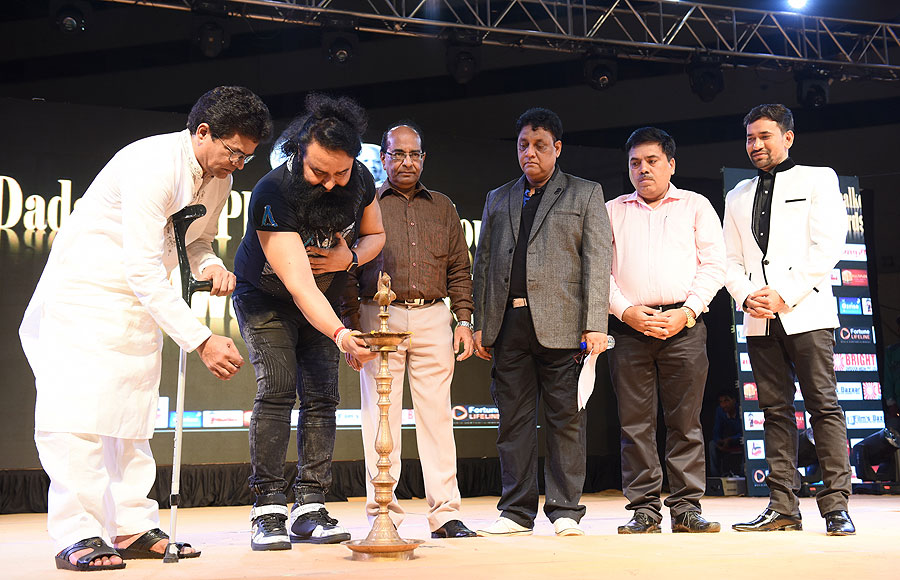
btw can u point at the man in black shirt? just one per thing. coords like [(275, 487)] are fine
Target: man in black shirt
[(310, 221)]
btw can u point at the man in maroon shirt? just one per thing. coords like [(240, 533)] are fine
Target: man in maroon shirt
[(428, 260)]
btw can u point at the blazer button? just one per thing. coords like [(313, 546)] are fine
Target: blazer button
[(511, 250), (765, 262), (506, 279)]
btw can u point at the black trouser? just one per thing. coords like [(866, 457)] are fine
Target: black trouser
[(523, 373), (811, 356), (645, 372)]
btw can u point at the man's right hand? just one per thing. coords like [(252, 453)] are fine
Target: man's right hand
[(356, 348), (220, 356), (646, 320), (482, 352)]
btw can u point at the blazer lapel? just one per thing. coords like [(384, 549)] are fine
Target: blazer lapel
[(552, 193), (515, 194)]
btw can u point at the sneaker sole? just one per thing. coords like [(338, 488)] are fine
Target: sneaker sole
[(684, 530), (564, 533), (486, 534), (627, 533), (272, 546), (335, 539)]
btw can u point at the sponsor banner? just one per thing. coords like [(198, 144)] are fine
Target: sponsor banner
[(745, 361), (475, 415), (162, 413), (851, 361), (741, 335), (864, 419), (750, 392), (756, 449), (190, 419), (854, 253), (871, 391), (854, 277), (849, 391), (855, 335), (247, 415), (849, 305), (753, 420), (866, 306), (348, 417), (219, 419), (798, 395), (800, 419), (407, 417), (836, 277)]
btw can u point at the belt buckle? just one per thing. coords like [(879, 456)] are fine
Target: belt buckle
[(519, 302)]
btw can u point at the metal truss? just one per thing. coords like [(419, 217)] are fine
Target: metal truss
[(661, 30)]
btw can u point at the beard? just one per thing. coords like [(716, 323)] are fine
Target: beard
[(321, 213)]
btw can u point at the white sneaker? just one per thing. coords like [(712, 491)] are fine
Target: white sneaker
[(310, 523), (267, 531), (567, 527), (504, 527)]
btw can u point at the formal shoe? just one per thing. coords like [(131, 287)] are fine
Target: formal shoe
[(453, 529), (640, 523), (694, 523), (771, 521), (838, 523), (267, 529), (310, 523), (504, 527), (567, 527)]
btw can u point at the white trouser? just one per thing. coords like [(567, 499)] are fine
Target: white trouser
[(98, 486), (428, 358)]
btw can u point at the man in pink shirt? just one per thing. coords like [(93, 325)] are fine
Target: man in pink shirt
[(668, 263)]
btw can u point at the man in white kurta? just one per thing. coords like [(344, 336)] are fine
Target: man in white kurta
[(92, 329)]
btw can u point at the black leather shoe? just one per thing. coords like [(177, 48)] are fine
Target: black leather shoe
[(838, 523), (453, 529), (640, 523), (771, 521), (694, 523)]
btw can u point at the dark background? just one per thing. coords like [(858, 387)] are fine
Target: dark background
[(68, 102)]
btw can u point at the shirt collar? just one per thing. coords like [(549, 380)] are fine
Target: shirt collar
[(386, 189), (540, 190), (187, 148), (672, 193), (783, 166)]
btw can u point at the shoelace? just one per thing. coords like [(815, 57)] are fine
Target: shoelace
[(270, 523), (321, 517)]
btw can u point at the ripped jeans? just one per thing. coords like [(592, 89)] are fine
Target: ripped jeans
[(291, 360)]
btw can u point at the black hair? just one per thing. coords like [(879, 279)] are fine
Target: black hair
[(540, 118), (402, 123), (337, 124), (652, 135), (775, 112), (230, 110)]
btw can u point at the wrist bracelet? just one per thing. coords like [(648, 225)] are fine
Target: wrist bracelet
[(465, 324), (339, 339), (338, 330)]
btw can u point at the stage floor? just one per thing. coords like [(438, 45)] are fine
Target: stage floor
[(222, 534)]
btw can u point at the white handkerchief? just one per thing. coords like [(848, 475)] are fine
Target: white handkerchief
[(586, 380)]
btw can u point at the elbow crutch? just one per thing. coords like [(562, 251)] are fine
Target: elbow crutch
[(180, 222)]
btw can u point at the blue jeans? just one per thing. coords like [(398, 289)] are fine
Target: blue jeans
[(289, 356)]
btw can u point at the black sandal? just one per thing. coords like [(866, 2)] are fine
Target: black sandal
[(140, 549), (98, 547)]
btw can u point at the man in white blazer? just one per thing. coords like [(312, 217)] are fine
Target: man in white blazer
[(784, 233)]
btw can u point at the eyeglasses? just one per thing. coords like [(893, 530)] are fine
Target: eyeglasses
[(400, 155), (235, 157)]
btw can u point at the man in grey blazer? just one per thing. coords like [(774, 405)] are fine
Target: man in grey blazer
[(784, 232), (541, 281)]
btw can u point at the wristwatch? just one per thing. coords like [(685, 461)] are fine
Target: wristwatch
[(465, 324), (354, 262), (691, 321)]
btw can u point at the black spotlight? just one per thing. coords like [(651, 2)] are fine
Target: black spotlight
[(707, 80), (463, 57), (877, 457), (71, 16), (600, 72), (211, 38), (812, 89), (339, 41)]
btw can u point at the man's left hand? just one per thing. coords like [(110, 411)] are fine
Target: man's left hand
[(770, 299), (596, 341), (334, 259), (222, 280), (671, 323), (462, 337)]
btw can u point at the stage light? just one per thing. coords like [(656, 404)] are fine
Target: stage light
[(71, 16), (875, 452), (706, 78), (797, 4), (463, 57), (211, 39), (339, 40), (812, 88), (600, 71)]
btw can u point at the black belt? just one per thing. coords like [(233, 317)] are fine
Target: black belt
[(665, 307), (415, 302)]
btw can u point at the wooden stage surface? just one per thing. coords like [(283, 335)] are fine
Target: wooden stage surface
[(222, 534)]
